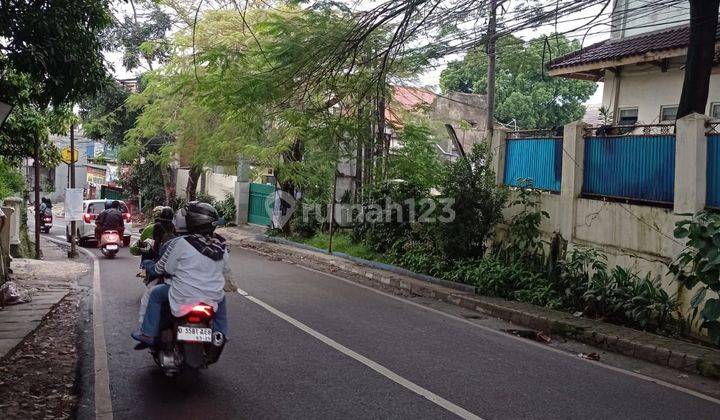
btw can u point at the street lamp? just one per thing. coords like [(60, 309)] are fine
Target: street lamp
[(5, 110)]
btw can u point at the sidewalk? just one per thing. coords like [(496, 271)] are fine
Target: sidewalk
[(48, 281), (660, 350)]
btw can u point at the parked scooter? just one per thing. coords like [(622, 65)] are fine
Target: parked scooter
[(110, 243), (188, 343)]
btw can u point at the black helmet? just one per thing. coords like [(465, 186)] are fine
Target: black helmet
[(201, 217), (115, 204), (108, 204), (166, 215)]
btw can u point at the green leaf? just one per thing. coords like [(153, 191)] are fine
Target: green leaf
[(681, 233), (698, 298), (711, 311)]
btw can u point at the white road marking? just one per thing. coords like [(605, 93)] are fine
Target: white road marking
[(522, 340), (103, 399), (382, 370)]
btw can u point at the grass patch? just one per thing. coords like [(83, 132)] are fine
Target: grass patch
[(342, 243)]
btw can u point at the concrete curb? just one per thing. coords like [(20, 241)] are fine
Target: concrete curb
[(656, 349)]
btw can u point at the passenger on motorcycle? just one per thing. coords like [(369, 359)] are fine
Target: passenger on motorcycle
[(110, 219), (195, 266)]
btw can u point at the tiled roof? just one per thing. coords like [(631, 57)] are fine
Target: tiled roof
[(615, 49), (407, 99)]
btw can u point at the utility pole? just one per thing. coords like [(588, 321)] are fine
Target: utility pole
[(36, 165), (73, 246), (492, 24)]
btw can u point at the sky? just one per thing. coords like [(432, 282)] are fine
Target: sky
[(431, 77)]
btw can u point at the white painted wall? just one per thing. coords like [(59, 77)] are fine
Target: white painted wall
[(219, 185), (647, 88), (216, 185), (635, 17)]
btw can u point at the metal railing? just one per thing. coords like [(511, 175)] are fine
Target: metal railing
[(630, 130), (712, 127), (544, 133)]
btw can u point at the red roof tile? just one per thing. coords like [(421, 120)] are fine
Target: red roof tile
[(615, 49), (407, 99)]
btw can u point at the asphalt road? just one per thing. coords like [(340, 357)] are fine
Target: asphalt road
[(308, 345)]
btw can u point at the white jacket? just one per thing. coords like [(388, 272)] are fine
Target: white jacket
[(195, 277)]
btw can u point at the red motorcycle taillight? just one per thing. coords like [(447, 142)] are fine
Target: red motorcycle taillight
[(199, 312), (48, 219), (126, 216), (88, 217)]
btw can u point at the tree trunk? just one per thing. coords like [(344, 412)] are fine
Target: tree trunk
[(295, 154), (192, 182), (380, 145), (168, 178), (700, 57)]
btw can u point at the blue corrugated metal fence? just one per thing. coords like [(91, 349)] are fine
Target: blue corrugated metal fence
[(539, 159), (634, 167), (713, 170)]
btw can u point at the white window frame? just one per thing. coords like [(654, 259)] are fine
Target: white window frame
[(713, 105), (662, 109), (627, 108)]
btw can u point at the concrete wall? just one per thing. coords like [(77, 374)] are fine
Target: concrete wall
[(633, 236), (215, 185), (647, 88)]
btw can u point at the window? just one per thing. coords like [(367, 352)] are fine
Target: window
[(715, 110), (668, 113), (627, 116)]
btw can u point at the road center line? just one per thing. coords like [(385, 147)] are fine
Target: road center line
[(382, 370)]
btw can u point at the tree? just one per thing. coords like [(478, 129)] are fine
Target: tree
[(417, 161), (105, 116), (524, 92), (141, 36), (700, 57), (242, 90), (56, 44)]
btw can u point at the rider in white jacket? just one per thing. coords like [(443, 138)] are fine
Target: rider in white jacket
[(195, 267)]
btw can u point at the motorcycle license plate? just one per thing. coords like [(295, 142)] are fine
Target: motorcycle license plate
[(203, 335), (111, 247)]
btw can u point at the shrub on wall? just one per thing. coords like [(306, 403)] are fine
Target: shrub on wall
[(478, 205), (699, 265)]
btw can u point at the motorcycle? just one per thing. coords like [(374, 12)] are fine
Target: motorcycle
[(46, 222), (110, 243), (186, 344)]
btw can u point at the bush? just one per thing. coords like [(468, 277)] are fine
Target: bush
[(226, 208), (699, 263), (478, 205), (305, 223), (622, 297), (524, 228), (11, 180), (387, 209)]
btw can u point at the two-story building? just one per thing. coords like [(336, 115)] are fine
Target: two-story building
[(641, 65)]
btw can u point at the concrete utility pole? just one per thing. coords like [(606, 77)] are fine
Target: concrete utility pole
[(73, 246), (36, 165), (492, 24)]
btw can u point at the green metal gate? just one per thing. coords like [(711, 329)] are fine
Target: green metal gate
[(261, 204)]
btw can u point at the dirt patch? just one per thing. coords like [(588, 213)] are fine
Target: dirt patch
[(37, 380)]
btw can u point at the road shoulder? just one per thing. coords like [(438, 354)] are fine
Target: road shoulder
[(38, 369)]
